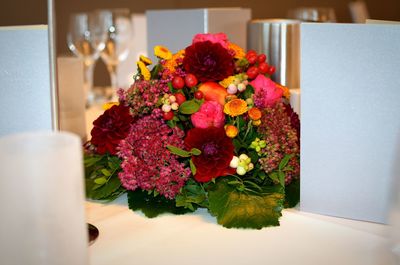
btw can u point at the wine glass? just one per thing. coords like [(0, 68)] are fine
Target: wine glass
[(117, 25), (86, 41)]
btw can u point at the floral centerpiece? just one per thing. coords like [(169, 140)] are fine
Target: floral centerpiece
[(204, 128)]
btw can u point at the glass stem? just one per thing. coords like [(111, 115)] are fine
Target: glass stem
[(112, 69), (88, 83)]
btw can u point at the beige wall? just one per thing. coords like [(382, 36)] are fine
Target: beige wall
[(20, 12)]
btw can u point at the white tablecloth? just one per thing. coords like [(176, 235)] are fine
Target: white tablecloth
[(128, 237)]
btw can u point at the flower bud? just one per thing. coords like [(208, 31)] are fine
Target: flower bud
[(166, 108), (232, 89), (241, 87), (234, 162), (174, 106), (251, 166), (172, 98), (240, 170), (243, 157)]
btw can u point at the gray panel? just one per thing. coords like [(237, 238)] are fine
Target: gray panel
[(350, 107), (25, 97)]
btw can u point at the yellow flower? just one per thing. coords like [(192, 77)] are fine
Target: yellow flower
[(173, 63), (235, 107), (286, 91), (227, 81), (143, 70), (254, 113), (239, 52), (108, 105), (231, 131), (256, 123), (162, 52), (145, 60)]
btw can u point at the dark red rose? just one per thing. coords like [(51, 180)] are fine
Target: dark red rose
[(216, 152), (208, 61), (110, 128)]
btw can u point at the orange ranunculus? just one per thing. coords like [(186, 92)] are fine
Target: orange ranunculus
[(286, 91), (254, 113), (235, 107), (239, 52), (231, 131)]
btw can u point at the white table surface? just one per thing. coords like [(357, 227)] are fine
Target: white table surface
[(128, 237)]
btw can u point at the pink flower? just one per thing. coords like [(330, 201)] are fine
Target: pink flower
[(210, 114), (220, 38), (266, 92)]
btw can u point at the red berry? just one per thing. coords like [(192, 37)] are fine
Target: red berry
[(251, 52), (168, 115), (252, 58), (178, 82), (198, 95), (190, 80), (261, 58), (252, 72), (263, 67), (180, 98), (271, 70)]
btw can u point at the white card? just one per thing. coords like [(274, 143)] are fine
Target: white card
[(350, 111), (25, 94)]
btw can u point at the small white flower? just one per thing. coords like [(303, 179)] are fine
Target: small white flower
[(172, 98), (166, 108), (241, 87), (232, 89), (234, 162), (240, 170), (243, 157), (174, 106)]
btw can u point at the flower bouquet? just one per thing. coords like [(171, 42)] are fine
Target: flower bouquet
[(204, 128)]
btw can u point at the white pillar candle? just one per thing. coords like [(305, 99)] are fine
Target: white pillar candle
[(42, 200)]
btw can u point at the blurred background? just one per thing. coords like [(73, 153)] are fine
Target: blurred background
[(20, 12)]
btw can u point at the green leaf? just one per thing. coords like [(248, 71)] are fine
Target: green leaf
[(192, 196), (274, 176), (192, 167), (171, 123), (292, 194), (281, 176), (244, 209), (179, 152), (152, 206), (100, 181), (285, 161), (195, 151), (189, 107), (106, 192), (106, 172)]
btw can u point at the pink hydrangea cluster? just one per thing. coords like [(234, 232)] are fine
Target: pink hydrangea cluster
[(146, 162), (143, 96), (281, 139)]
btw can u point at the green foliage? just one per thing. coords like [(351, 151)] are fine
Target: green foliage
[(189, 107), (292, 194), (183, 153), (241, 209), (151, 205), (191, 196), (101, 177)]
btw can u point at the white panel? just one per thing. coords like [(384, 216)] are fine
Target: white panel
[(25, 97), (350, 107)]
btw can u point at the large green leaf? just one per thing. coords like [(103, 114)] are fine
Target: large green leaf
[(151, 205), (236, 209), (292, 194)]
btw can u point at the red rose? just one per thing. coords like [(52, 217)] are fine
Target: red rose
[(216, 152), (110, 128), (208, 61)]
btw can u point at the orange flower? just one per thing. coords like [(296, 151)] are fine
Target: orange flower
[(143, 70), (286, 91), (235, 107), (173, 63), (145, 60), (239, 52), (162, 52), (231, 131), (254, 113)]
